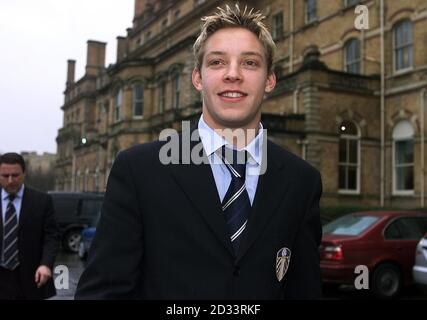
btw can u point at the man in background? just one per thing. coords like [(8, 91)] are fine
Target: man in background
[(29, 235)]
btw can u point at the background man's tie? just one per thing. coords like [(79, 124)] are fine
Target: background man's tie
[(10, 236), (236, 205)]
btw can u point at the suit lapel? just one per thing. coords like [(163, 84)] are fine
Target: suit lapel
[(272, 186), (198, 183)]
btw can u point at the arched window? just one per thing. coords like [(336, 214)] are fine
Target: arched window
[(352, 56), (138, 100), (349, 158), (402, 36), (403, 158)]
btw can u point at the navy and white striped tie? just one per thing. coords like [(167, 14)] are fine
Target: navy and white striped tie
[(10, 237), (236, 204)]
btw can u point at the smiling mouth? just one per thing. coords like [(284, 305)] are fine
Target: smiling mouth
[(232, 94)]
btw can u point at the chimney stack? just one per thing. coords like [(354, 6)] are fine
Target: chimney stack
[(95, 60), (121, 48), (71, 68), (139, 7)]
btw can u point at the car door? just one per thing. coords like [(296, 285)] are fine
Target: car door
[(404, 233)]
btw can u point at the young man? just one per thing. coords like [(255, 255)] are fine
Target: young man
[(220, 229), (29, 236)]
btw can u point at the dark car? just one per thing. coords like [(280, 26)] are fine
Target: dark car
[(383, 241), (75, 211)]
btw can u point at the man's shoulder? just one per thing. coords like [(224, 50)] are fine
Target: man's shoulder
[(36, 194), (290, 160)]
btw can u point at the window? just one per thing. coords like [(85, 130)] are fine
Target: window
[(175, 90), (402, 36), (138, 100), (349, 3), (118, 105), (162, 96), (352, 56), (164, 24), (177, 14), (310, 11), (350, 225), (348, 163), (277, 25), (403, 145), (407, 228)]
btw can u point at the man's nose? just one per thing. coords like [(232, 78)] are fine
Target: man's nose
[(233, 72), (9, 179)]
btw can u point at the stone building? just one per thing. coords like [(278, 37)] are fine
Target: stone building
[(351, 102)]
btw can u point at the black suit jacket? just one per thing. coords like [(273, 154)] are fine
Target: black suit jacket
[(38, 241), (162, 234)]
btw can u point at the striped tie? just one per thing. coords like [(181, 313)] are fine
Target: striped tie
[(10, 237), (235, 205)]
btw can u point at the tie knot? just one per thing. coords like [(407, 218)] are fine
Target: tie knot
[(11, 197), (236, 159)]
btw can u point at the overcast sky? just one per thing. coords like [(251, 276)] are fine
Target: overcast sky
[(37, 38)]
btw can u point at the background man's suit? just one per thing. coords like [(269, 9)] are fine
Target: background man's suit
[(38, 241), (162, 234)]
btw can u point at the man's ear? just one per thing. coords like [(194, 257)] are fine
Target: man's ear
[(196, 78), (270, 83)]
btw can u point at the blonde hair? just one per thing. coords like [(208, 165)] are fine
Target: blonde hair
[(235, 18)]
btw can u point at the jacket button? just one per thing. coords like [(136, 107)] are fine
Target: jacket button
[(236, 271)]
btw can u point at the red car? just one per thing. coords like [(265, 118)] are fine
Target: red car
[(383, 241)]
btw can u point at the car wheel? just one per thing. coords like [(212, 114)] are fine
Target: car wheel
[(72, 240), (386, 281)]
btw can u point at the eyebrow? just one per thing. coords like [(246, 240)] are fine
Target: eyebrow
[(245, 53)]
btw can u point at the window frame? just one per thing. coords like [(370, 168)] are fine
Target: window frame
[(135, 101), (401, 23), (347, 138), (357, 61), (396, 191), (307, 11), (277, 28)]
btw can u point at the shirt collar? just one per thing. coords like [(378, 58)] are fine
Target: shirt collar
[(19, 194), (212, 141)]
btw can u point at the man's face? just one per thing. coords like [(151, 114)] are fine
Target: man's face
[(233, 79), (11, 177)]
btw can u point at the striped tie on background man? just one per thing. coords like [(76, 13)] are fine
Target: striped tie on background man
[(10, 236)]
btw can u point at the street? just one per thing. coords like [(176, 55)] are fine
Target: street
[(75, 267)]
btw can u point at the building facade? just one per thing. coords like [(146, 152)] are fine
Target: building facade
[(351, 102)]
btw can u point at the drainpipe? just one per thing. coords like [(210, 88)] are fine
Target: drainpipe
[(382, 102), (422, 105), (291, 40)]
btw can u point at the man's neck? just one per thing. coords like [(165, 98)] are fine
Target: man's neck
[(239, 137)]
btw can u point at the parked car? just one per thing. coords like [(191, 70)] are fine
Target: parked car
[(383, 241), (87, 236), (419, 271), (75, 211)]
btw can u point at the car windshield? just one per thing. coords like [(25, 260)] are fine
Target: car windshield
[(350, 225)]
